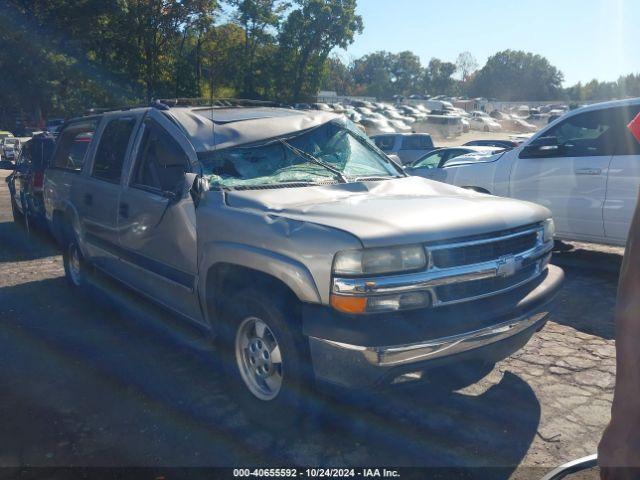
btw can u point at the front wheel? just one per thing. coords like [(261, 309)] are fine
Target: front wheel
[(266, 359), (75, 267)]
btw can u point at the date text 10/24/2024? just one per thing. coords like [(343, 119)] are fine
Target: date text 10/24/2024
[(316, 473)]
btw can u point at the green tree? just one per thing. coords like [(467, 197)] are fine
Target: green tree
[(385, 74), (259, 19), (517, 75), (438, 78), (466, 64), (337, 77), (222, 46), (306, 39)]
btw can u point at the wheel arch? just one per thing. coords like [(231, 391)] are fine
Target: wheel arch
[(227, 265), (223, 280)]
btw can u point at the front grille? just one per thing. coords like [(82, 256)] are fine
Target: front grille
[(483, 252), (475, 288)]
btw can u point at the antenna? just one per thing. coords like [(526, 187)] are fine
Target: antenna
[(213, 126)]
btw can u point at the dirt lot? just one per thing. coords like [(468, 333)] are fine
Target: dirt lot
[(103, 379)]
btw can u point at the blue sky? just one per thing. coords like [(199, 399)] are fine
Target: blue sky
[(585, 39)]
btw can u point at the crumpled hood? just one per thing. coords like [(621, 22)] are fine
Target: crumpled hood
[(391, 212)]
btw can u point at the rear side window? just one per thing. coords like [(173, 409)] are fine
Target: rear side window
[(112, 149), (161, 163), (73, 145), (418, 142), (385, 143)]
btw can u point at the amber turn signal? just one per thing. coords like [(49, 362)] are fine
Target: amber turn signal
[(348, 304)]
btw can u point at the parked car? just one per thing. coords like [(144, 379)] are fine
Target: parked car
[(585, 167), (352, 115), (408, 147), (376, 126), (505, 144), (309, 257), (53, 125), (484, 124), (439, 105), (4, 134), (395, 115), (430, 165), (479, 113), (519, 125), (399, 126), (10, 148), (441, 125), (26, 181), (411, 112), (466, 125), (321, 106)]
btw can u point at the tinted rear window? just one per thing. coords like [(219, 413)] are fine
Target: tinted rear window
[(112, 149)]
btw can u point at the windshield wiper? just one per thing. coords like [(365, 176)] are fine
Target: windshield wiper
[(317, 161), (372, 178)]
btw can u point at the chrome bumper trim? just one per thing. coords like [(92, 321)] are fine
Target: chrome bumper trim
[(416, 352)]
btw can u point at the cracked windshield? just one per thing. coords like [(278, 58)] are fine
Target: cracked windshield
[(319, 239)]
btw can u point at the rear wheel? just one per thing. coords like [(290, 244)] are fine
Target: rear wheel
[(486, 128), (75, 267), (265, 358)]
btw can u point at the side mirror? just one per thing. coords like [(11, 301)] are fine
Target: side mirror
[(195, 185), (183, 188), (543, 147)]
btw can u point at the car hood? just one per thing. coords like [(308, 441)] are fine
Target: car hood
[(391, 212)]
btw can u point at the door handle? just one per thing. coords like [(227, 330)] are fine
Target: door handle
[(88, 199), (588, 171), (123, 210)]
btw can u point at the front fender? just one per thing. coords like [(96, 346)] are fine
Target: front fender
[(291, 272)]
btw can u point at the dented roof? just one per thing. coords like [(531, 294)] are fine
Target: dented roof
[(217, 128)]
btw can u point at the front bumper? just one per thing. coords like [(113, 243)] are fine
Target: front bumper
[(486, 331)]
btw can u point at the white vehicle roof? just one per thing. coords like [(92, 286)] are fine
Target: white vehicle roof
[(480, 148), (602, 105), (588, 108)]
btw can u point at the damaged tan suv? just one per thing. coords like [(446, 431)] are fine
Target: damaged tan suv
[(309, 255)]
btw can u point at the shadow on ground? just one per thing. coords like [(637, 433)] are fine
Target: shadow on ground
[(595, 274), (105, 379), (18, 244)]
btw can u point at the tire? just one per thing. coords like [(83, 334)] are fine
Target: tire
[(486, 128), (75, 266), (265, 358)]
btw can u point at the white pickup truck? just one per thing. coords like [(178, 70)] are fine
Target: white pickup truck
[(584, 167)]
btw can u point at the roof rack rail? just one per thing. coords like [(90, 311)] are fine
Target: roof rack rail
[(167, 103), (215, 102)]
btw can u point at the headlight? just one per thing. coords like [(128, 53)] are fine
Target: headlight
[(379, 260), (549, 230)]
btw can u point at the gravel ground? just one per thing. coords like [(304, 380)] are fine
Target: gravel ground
[(104, 379)]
